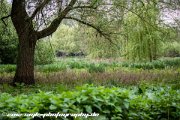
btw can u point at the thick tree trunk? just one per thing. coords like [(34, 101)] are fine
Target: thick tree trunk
[(27, 42), (25, 62)]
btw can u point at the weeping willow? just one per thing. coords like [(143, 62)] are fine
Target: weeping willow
[(143, 35), (96, 46)]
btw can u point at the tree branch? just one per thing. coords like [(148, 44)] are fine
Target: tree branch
[(68, 8), (82, 7), (5, 17), (105, 35), (86, 23), (41, 6), (55, 23)]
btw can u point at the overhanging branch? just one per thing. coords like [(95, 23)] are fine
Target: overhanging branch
[(55, 23), (86, 23), (105, 35)]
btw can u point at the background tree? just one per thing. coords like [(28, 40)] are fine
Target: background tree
[(64, 39), (144, 36)]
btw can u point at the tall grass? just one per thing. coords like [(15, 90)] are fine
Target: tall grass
[(114, 73), (157, 64), (93, 67)]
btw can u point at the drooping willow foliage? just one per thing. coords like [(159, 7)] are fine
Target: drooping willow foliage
[(143, 36), (139, 34), (96, 46)]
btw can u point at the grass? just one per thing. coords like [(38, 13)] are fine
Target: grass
[(80, 71), (97, 66), (158, 64), (115, 77)]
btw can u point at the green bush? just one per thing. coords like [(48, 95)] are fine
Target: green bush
[(44, 54), (8, 37), (135, 103), (8, 50), (65, 39)]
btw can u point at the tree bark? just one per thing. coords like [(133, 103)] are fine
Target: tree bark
[(25, 62)]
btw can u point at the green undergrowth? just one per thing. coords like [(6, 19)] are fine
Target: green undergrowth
[(157, 64), (94, 67), (141, 102), (7, 68)]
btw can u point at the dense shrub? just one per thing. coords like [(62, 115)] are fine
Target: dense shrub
[(8, 37), (44, 54), (8, 50), (135, 103), (64, 39)]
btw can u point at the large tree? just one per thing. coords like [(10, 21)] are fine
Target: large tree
[(36, 19)]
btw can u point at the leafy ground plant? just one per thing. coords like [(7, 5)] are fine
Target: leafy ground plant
[(143, 102)]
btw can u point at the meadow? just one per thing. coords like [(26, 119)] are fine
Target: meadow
[(82, 70), (113, 89)]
